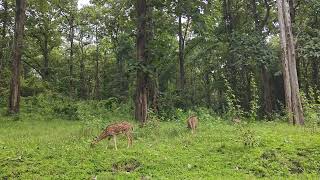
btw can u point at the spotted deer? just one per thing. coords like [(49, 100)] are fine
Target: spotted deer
[(192, 123), (113, 130), (236, 120)]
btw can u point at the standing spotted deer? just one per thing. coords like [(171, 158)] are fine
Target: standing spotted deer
[(113, 130), (192, 123)]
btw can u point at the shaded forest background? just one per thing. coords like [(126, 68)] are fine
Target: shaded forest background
[(223, 56)]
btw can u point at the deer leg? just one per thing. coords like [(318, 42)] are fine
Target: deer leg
[(108, 143), (115, 142), (129, 136)]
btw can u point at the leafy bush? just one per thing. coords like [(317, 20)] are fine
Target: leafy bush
[(68, 111), (52, 104), (248, 136), (311, 111), (32, 86)]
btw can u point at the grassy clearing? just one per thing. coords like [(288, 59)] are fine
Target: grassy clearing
[(35, 147)]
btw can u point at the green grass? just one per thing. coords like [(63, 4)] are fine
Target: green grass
[(35, 147)]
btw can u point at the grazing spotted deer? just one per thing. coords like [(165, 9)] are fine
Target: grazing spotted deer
[(113, 130), (192, 123), (236, 120)]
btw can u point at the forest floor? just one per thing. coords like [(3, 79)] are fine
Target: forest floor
[(34, 147)]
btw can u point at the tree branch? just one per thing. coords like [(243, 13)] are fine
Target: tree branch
[(186, 30), (33, 67), (266, 17)]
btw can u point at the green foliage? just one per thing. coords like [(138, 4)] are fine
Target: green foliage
[(67, 110), (52, 105), (32, 86), (234, 109), (248, 136), (312, 112)]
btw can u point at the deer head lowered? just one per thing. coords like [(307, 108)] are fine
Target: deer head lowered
[(113, 130)]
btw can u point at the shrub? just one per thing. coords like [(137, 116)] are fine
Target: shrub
[(67, 110)]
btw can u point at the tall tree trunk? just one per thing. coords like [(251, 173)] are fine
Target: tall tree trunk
[(97, 82), (265, 75), (181, 56), (82, 69), (45, 58), (3, 35), (71, 38), (208, 89), (267, 90), (292, 96), (231, 70), (142, 77), (14, 99), (152, 82)]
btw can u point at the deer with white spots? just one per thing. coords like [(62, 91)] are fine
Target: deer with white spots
[(113, 130)]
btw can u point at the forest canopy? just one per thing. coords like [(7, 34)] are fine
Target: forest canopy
[(225, 55)]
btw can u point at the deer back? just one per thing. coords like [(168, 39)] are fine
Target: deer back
[(114, 129), (119, 128)]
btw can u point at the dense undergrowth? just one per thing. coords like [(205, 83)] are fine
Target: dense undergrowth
[(51, 136)]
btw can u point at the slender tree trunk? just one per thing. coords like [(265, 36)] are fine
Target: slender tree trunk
[(231, 70), (14, 99), (208, 89), (82, 69), (71, 38), (152, 83), (142, 77), (181, 56), (292, 96), (267, 90), (97, 82), (45, 58), (3, 35)]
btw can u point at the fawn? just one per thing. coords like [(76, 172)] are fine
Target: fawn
[(113, 130), (192, 123)]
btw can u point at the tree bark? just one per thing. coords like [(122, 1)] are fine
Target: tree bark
[(14, 99), (208, 90), (181, 57), (292, 96), (82, 69), (267, 91), (97, 82), (142, 77), (45, 58), (3, 34), (71, 38)]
